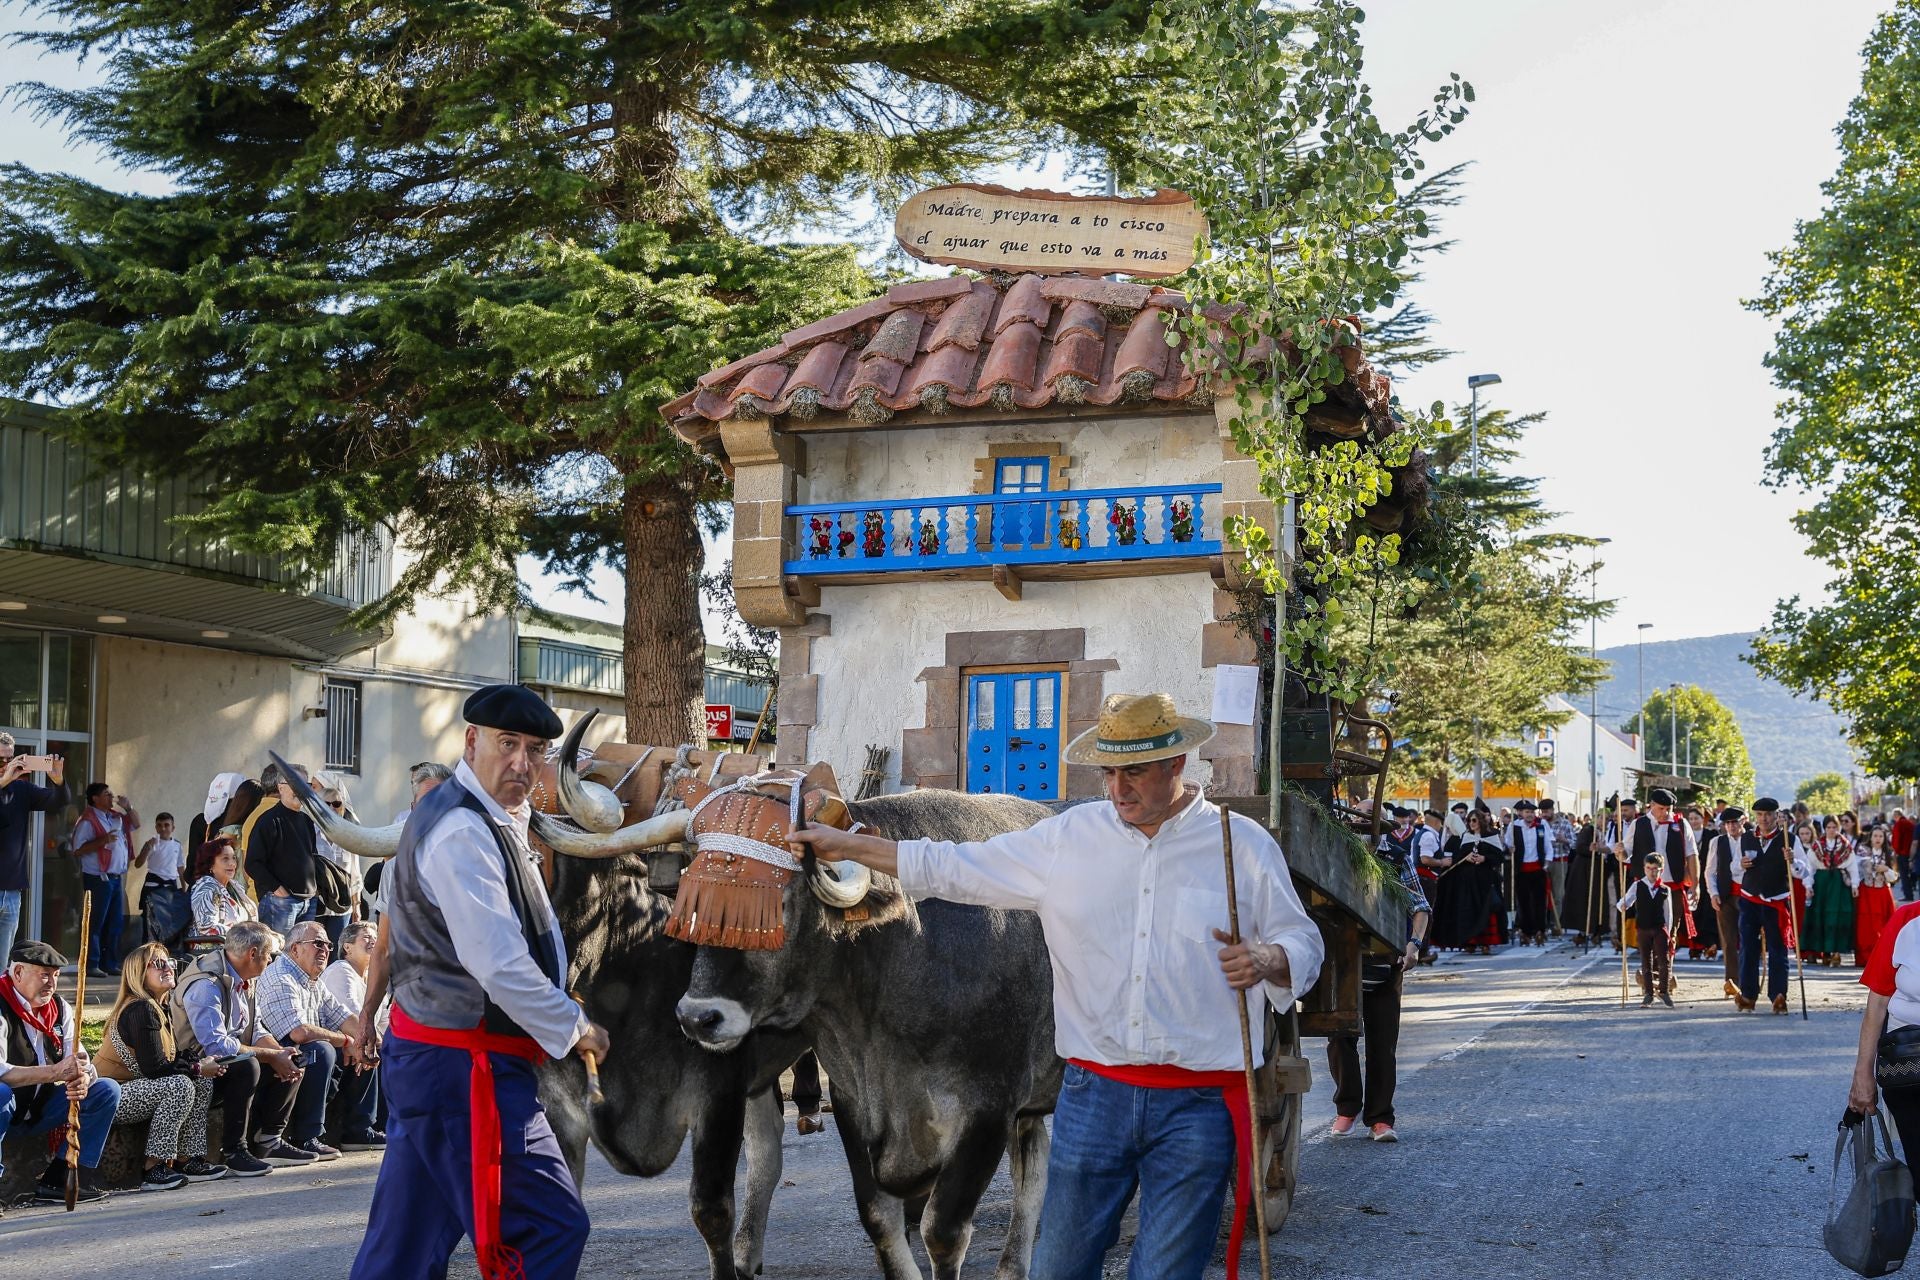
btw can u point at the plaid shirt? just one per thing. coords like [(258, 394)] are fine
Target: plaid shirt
[(289, 998)]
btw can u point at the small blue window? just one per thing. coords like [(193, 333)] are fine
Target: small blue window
[(1020, 525)]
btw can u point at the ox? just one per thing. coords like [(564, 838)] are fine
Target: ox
[(934, 1022), (659, 1087)]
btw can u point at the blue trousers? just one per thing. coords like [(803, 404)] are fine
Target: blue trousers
[(281, 914), (109, 896), (1174, 1145), (96, 1117), (423, 1201), (9, 919), (1756, 919)]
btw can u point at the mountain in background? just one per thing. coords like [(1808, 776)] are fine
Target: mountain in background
[(1790, 738)]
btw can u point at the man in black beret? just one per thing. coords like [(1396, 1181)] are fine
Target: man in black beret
[(43, 1068), (478, 972), (1764, 886), (1719, 872)]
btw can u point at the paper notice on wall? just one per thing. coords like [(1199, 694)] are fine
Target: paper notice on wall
[(1235, 690)]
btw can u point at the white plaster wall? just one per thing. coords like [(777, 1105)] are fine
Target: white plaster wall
[(446, 635), (884, 635), (1106, 453)]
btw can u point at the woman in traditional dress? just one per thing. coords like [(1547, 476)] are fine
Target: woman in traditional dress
[(1806, 848), (1830, 900), (1705, 941), (1473, 916), (1874, 873), (1584, 913)]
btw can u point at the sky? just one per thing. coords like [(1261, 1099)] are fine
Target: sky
[(1632, 165)]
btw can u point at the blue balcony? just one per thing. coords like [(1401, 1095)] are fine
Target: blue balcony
[(1063, 529)]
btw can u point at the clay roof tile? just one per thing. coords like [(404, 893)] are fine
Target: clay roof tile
[(817, 368), (898, 338), (1081, 317), (1013, 358), (966, 320), (1024, 301)]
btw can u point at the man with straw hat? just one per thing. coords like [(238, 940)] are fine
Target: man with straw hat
[(1132, 893)]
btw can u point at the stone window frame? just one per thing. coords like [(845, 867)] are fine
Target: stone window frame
[(1059, 467)]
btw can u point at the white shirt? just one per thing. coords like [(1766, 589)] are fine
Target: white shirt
[(459, 872), (1129, 921), (1903, 1006), (41, 1056), (1427, 843), (165, 860), (1538, 841), (346, 984)]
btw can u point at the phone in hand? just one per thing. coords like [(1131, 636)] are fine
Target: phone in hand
[(34, 764), (228, 1060)]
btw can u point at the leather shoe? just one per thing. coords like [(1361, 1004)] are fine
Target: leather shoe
[(1779, 1004), (1742, 1004), (1727, 986)]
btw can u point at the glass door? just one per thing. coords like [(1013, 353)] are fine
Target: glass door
[(46, 704)]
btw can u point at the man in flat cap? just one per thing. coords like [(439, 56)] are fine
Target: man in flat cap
[(478, 972), (1663, 831), (1764, 886), (1720, 870), (43, 1069)]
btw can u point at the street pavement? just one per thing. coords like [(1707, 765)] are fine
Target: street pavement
[(1545, 1131)]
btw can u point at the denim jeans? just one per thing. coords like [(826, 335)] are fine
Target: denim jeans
[(9, 919), (109, 896), (1174, 1145), (281, 914), (96, 1118)]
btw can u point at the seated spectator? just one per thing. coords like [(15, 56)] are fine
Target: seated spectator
[(43, 1069), (218, 901), (296, 1009), (346, 981), (215, 1012), (169, 1089)]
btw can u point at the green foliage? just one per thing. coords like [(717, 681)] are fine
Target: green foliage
[(1710, 746), (1272, 130), (1842, 297), (1825, 793), (440, 267)]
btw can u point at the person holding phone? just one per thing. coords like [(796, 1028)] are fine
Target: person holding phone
[(20, 799)]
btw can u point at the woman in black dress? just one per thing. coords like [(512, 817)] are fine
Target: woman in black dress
[(1471, 913)]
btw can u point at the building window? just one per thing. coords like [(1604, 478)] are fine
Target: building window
[(342, 701)]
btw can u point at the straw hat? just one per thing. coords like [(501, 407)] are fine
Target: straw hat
[(1135, 728)]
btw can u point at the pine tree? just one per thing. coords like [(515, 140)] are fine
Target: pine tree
[(439, 265)]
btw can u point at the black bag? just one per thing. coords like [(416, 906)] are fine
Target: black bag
[(1896, 1064), (333, 887), (1870, 1204)]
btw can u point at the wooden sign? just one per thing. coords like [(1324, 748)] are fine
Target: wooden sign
[(993, 228)]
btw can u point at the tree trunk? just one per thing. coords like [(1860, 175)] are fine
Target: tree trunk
[(666, 648), (1437, 791)]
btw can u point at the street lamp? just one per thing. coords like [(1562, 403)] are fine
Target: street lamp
[(1593, 694), (1474, 383), (1673, 727), (1640, 714)]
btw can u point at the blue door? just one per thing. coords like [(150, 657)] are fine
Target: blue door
[(1020, 526), (1013, 734)]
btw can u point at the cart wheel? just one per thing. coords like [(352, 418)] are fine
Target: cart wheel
[(1282, 1082)]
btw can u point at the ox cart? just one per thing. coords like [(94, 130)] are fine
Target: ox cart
[(1357, 913)]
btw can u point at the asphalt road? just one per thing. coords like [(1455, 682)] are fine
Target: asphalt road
[(1545, 1131)]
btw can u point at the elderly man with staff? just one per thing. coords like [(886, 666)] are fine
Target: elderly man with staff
[(478, 972), (1148, 988)]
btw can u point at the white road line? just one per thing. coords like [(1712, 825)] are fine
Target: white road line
[(1517, 1014)]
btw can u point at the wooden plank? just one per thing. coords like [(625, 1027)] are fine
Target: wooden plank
[(1006, 580), (993, 228), (1319, 854)]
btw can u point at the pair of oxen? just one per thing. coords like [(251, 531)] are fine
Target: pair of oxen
[(934, 1021)]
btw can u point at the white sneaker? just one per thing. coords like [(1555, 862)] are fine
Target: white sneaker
[(1384, 1133)]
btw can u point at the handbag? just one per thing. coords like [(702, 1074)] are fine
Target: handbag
[(332, 887), (1896, 1063), (1870, 1203)]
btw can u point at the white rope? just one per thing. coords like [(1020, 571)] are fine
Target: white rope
[(745, 847)]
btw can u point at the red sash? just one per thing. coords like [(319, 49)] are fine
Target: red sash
[(497, 1261), (1233, 1091), (1783, 905)]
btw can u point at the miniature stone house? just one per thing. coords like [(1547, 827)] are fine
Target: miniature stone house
[(975, 506)]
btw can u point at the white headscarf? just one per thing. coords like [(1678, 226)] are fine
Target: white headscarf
[(219, 794)]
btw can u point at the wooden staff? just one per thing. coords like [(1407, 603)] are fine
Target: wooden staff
[(1621, 837), (592, 1059), (1256, 1176), (79, 1012)]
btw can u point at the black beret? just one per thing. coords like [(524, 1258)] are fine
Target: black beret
[(1461, 807), (1399, 811), (1660, 795), (1629, 802), (1733, 813), (1766, 804), (39, 954), (1431, 813), (514, 708), (1525, 806)]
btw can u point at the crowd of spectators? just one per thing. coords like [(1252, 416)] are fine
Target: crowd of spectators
[(246, 1005)]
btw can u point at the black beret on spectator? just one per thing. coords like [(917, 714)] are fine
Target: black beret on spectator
[(1733, 813), (514, 708), (1766, 804), (1660, 795), (38, 954)]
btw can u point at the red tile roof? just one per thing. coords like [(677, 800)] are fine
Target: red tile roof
[(1003, 343)]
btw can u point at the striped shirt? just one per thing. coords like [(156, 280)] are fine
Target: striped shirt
[(289, 998)]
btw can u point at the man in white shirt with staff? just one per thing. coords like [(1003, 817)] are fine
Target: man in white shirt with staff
[(1132, 895)]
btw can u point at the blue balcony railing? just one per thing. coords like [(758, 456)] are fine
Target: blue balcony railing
[(1062, 527)]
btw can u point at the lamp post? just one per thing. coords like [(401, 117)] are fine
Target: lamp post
[(1640, 710), (1673, 727), (1593, 694), (1474, 383)]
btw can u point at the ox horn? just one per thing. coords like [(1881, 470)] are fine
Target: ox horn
[(839, 884), (588, 803), (368, 842), (666, 828)]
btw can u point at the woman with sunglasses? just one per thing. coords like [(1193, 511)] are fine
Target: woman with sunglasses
[(160, 1083), (337, 883)]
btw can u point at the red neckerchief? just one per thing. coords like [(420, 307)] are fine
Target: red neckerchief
[(47, 1024)]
